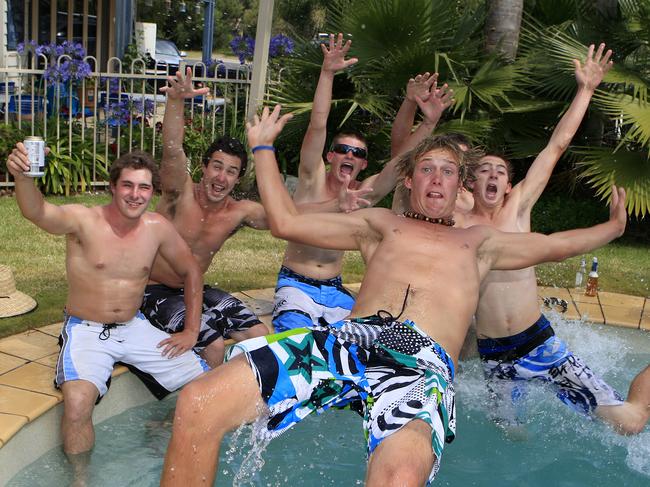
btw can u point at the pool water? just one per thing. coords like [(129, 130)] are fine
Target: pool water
[(555, 446)]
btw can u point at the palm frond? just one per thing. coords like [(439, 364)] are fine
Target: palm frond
[(630, 112), (627, 168), (378, 27)]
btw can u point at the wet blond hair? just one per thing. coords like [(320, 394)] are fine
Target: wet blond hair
[(407, 161)]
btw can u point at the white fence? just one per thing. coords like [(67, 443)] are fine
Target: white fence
[(106, 114)]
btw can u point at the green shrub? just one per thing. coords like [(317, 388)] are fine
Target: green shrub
[(557, 212)]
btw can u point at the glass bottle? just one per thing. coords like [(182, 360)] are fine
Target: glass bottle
[(592, 280), (580, 275)]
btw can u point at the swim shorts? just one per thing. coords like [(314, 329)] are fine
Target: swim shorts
[(89, 350), (394, 369), (222, 313), (302, 302), (538, 354)]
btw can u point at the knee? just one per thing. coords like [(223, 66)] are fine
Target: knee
[(634, 423), (78, 407), (197, 410), (258, 330)]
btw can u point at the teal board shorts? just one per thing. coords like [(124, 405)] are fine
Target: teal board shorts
[(393, 369)]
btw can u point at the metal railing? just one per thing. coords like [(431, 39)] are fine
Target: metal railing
[(109, 113)]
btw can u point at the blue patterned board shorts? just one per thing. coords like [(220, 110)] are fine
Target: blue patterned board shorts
[(538, 354), (393, 369), (222, 313), (302, 302)]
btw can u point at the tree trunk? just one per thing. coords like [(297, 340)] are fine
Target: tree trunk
[(502, 27)]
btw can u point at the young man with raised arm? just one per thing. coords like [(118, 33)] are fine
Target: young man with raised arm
[(110, 250), (309, 289), (205, 215), (517, 344), (398, 349)]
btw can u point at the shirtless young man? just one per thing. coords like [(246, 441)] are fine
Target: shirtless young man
[(398, 349), (205, 215), (109, 253), (515, 343), (309, 289)]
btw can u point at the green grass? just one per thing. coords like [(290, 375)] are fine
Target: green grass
[(249, 260)]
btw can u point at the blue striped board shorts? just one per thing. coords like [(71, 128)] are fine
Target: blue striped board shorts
[(303, 302), (396, 371), (89, 350), (536, 353)]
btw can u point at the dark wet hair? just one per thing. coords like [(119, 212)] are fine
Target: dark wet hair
[(231, 146), (135, 160)]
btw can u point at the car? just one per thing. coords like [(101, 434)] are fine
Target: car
[(167, 54), (168, 58)]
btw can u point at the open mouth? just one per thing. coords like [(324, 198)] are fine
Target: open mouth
[(491, 190), (217, 188), (346, 168), (434, 194)]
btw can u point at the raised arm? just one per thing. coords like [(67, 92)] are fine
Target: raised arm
[(588, 77), (177, 253), (432, 103), (311, 152), (327, 230), (58, 220), (432, 106), (405, 118), (508, 251), (173, 167)]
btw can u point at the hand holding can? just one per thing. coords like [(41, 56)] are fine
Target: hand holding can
[(35, 147)]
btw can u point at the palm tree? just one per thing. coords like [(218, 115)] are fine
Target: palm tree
[(502, 27), (511, 107)]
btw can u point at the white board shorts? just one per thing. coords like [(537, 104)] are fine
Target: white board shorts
[(89, 351)]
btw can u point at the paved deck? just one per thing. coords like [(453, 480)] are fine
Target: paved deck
[(27, 360)]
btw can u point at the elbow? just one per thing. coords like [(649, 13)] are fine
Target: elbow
[(280, 228)]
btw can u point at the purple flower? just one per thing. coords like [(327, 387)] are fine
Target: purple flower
[(244, 47), (280, 45), (70, 68)]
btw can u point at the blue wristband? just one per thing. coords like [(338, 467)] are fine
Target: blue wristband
[(262, 147)]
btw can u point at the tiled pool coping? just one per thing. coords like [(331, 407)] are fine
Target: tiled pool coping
[(27, 360)]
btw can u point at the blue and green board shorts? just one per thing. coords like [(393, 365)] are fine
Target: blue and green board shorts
[(396, 371)]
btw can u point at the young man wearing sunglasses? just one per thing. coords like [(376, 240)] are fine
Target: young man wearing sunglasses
[(309, 289), (205, 215)]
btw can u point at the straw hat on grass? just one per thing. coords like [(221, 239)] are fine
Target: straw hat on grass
[(12, 302)]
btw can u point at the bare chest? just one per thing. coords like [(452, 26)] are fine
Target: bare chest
[(101, 251), (206, 231)]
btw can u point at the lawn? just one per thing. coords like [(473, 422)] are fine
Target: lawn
[(248, 260)]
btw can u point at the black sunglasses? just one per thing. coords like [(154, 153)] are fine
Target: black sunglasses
[(359, 152)]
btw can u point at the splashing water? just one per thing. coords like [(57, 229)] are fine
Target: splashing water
[(556, 446)]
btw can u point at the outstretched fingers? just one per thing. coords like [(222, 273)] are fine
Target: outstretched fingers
[(265, 128)]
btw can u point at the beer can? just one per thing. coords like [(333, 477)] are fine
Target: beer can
[(35, 146)]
